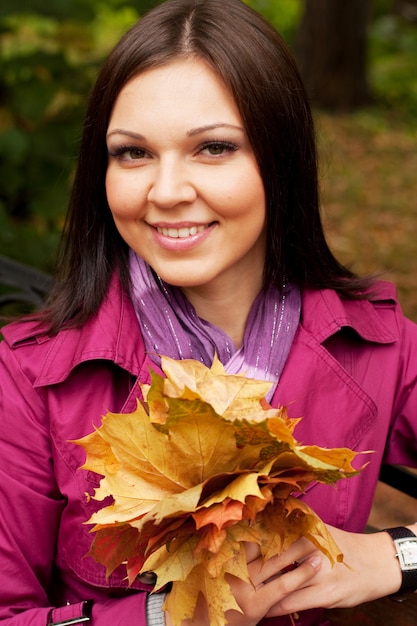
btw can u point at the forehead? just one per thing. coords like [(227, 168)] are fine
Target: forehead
[(181, 88)]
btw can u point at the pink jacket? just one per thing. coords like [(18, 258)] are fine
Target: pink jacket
[(351, 375)]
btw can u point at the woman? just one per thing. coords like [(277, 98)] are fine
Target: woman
[(194, 228)]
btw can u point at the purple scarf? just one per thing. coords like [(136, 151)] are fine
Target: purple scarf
[(171, 327)]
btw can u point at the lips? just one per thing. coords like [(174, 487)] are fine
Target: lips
[(182, 237)]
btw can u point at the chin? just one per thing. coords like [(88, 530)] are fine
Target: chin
[(184, 283)]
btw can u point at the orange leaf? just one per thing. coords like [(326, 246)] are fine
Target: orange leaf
[(221, 514)]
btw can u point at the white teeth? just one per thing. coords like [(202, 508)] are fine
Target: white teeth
[(181, 233)]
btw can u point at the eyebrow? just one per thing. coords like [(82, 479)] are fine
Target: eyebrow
[(190, 133), (129, 133), (202, 129)]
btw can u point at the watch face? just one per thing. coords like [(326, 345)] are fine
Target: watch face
[(407, 552)]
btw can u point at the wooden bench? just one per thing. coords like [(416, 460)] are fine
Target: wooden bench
[(21, 285)]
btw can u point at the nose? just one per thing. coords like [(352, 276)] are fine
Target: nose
[(171, 184)]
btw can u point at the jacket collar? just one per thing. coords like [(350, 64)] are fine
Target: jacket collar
[(324, 313), (114, 334)]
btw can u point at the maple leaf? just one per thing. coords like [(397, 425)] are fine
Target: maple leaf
[(232, 396), (202, 466)]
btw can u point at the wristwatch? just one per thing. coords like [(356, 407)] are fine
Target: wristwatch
[(406, 545)]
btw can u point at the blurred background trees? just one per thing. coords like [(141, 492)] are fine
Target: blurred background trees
[(331, 49), (49, 55), (358, 59)]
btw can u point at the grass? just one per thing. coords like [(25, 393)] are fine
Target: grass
[(368, 180)]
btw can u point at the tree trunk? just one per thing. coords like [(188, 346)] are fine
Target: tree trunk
[(331, 50)]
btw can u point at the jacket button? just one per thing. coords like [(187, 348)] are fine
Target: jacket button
[(148, 578)]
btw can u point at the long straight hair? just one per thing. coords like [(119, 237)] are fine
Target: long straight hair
[(257, 67)]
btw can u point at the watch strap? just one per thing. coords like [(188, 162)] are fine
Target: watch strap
[(399, 532), (409, 576)]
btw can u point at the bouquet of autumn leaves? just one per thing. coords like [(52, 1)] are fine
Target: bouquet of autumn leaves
[(203, 465)]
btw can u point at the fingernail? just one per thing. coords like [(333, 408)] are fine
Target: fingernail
[(315, 561)]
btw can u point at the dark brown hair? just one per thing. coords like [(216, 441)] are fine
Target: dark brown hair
[(258, 68)]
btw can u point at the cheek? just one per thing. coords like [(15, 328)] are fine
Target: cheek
[(123, 196), (257, 198), (246, 208), (114, 198), (246, 195)]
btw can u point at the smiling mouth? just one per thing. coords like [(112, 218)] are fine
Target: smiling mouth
[(181, 233)]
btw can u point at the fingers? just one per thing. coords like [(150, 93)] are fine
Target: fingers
[(284, 589), (293, 577), (290, 576), (273, 583), (262, 572)]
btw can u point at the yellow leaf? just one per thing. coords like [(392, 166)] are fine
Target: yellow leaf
[(239, 489), (173, 505), (203, 442), (305, 523), (100, 455), (232, 396), (181, 601), (324, 458), (174, 563)]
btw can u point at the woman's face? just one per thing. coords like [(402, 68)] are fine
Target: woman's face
[(182, 181)]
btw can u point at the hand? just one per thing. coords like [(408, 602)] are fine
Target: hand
[(271, 583), (370, 570)]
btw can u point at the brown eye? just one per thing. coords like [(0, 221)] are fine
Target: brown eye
[(216, 148), (135, 153), (128, 153)]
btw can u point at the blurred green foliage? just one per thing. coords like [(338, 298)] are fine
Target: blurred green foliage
[(393, 65), (49, 56), (50, 51), (284, 14)]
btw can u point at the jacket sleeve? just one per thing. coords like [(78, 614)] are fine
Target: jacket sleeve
[(30, 511), (402, 445)]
